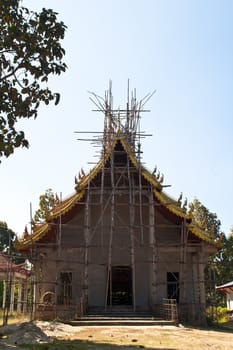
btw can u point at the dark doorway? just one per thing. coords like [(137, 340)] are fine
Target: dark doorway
[(65, 295), (120, 286), (173, 285)]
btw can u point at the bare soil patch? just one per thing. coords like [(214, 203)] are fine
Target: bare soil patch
[(54, 336)]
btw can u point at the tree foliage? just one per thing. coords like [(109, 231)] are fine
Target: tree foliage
[(206, 220), (7, 237), (47, 202), (209, 223), (30, 51), (224, 260)]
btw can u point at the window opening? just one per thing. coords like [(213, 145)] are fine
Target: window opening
[(65, 297)]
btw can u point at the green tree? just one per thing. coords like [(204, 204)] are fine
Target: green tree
[(224, 260), (47, 202), (7, 237), (30, 51), (209, 223), (220, 270), (205, 219)]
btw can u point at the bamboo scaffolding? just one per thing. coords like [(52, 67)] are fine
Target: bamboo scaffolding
[(131, 230), (116, 188)]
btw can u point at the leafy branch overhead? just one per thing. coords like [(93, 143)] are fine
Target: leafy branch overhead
[(30, 51)]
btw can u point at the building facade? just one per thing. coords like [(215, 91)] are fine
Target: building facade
[(119, 241)]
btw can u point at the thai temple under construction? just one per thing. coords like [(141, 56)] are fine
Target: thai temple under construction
[(119, 242)]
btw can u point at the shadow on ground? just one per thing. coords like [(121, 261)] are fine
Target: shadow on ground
[(76, 345)]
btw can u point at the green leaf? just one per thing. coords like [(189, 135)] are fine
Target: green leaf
[(32, 52)]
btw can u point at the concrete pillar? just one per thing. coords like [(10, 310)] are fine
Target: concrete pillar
[(201, 268), (202, 316), (33, 298)]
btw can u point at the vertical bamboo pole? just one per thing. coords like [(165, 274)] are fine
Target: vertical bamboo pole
[(33, 280), (131, 230), (153, 243), (140, 203), (185, 286), (60, 227), (8, 285), (112, 228), (183, 261), (86, 239), (102, 200), (137, 117), (58, 259)]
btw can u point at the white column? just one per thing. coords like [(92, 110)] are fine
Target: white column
[(25, 289), (19, 301), (4, 294)]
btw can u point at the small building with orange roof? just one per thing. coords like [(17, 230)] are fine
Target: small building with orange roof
[(12, 274), (227, 289)]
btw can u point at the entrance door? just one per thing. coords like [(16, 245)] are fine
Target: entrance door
[(120, 286), (173, 285)]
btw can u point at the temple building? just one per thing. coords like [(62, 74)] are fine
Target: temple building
[(119, 241)]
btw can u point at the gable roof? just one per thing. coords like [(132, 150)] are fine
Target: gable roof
[(227, 287), (171, 205), (7, 266)]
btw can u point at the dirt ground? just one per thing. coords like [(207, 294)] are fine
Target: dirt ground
[(115, 337)]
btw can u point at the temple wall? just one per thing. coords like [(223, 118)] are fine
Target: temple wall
[(88, 233)]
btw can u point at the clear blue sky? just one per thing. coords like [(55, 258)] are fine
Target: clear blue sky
[(184, 50)]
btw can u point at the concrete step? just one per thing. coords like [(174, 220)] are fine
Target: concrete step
[(86, 321), (119, 312), (119, 317)]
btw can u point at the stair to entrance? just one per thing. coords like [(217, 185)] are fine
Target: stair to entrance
[(118, 317)]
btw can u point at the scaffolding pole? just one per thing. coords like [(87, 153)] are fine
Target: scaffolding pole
[(112, 228), (87, 243), (131, 230), (154, 245)]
